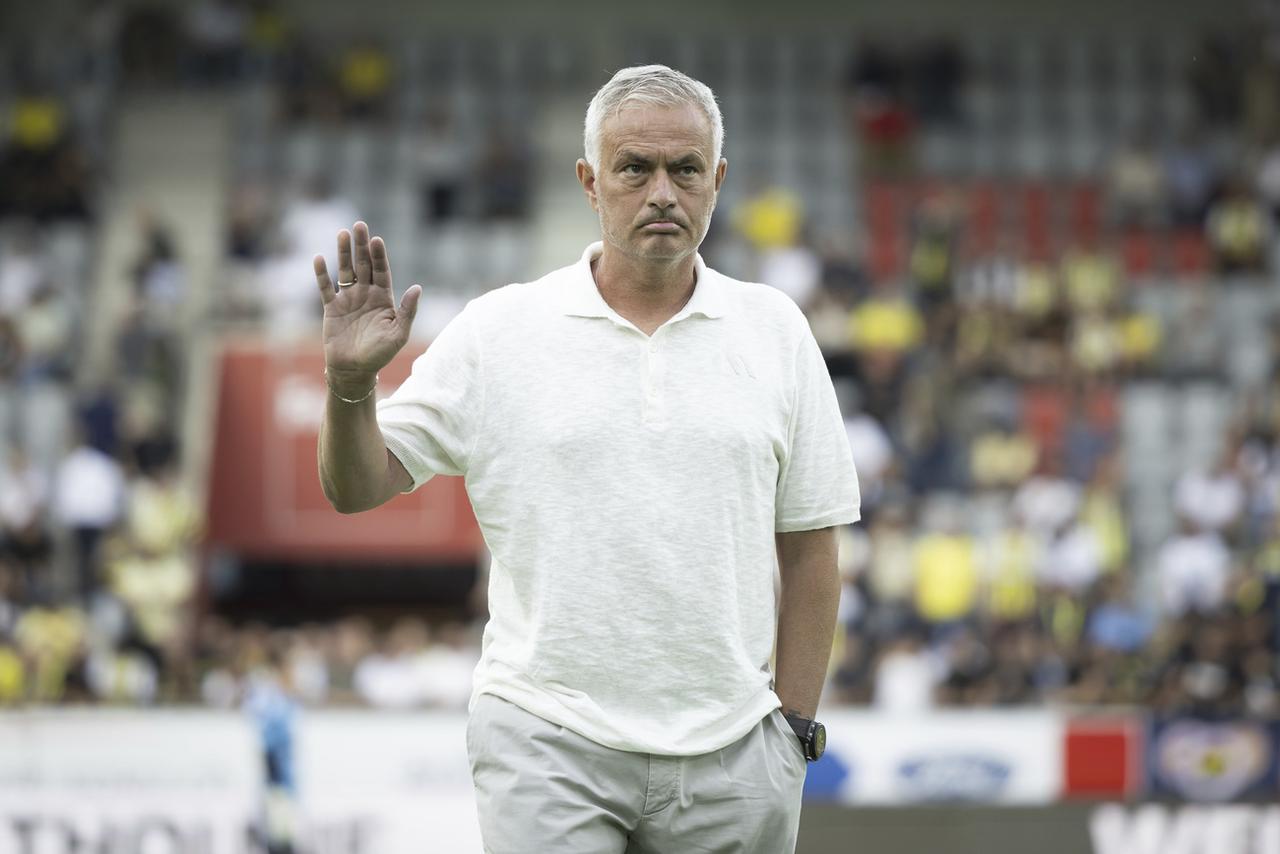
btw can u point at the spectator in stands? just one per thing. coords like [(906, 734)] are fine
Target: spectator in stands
[(1001, 456), (1090, 277), (1072, 559), (365, 76), (1118, 624), (1268, 181), (216, 34), (881, 118), (770, 218), (891, 569), (1009, 562), (159, 278), (1201, 345), (1103, 512), (1192, 568), (886, 326), (906, 677), (392, 677), (1238, 231), (444, 670), (932, 257), (88, 500), (306, 666), (42, 171), (796, 270), (351, 641), (51, 639), (1136, 183), (503, 179), (946, 572), (444, 161), (1048, 501), (1191, 177), (1212, 500), (45, 331), (24, 533), (872, 455)]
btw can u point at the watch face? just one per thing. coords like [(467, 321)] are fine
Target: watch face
[(819, 741)]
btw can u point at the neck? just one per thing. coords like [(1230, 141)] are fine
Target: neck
[(641, 286)]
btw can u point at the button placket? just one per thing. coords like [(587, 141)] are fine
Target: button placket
[(653, 381)]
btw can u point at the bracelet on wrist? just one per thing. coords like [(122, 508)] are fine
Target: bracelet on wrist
[(362, 399)]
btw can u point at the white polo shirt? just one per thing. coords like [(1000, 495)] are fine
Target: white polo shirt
[(629, 488)]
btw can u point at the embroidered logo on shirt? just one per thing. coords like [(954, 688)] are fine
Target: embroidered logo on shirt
[(739, 365)]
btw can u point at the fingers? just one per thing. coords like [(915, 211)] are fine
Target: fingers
[(409, 308), (363, 264), (345, 271), (322, 279), (381, 264)]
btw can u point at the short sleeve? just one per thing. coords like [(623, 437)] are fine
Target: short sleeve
[(817, 483), (432, 421)]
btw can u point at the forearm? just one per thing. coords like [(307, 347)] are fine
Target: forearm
[(807, 618), (354, 468)]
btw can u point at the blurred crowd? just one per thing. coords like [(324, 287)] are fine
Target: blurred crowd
[(1028, 364), (1023, 362)]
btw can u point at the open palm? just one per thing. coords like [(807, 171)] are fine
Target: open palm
[(363, 328)]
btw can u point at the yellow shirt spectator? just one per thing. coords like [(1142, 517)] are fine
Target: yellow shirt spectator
[(162, 517), (1011, 582), (886, 324), (36, 123), (1102, 514), (1091, 278), (51, 638), (771, 220), (946, 577), (12, 677), (366, 73), (1002, 459), (1139, 337)]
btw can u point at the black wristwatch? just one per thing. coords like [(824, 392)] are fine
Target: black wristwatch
[(812, 735)]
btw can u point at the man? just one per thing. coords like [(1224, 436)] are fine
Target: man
[(643, 440)]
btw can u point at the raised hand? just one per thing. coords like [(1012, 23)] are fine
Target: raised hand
[(363, 328)]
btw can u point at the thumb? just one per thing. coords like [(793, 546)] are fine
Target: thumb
[(409, 307)]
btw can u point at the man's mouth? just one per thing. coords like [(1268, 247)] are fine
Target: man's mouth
[(661, 226)]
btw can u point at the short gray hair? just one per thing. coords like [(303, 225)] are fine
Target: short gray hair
[(649, 84)]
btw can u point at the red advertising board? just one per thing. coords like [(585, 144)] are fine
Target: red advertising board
[(265, 500), (1102, 757)]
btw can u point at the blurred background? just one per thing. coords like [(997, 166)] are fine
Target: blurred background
[(1039, 244)]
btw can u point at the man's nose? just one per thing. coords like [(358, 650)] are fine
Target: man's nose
[(662, 192)]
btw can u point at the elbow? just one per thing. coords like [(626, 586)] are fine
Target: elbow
[(345, 504), (347, 508)]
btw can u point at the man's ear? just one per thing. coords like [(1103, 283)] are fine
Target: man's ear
[(720, 170), (587, 178)]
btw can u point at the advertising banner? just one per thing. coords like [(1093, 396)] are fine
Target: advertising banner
[(978, 757), (265, 500), (1102, 755), (1212, 760), (398, 783), (1057, 829), (127, 782), (176, 782)]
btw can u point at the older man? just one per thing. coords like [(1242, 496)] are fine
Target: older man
[(646, 443)]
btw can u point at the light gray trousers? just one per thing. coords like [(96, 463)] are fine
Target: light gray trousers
[(543, 788)]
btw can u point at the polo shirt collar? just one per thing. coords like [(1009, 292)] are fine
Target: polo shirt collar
[(581, 297)]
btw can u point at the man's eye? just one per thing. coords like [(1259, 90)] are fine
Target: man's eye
[(632, 169), (688, 170)]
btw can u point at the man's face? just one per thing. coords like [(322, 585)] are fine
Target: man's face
[(656, 186)]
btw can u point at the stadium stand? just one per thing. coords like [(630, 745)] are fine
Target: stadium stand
[(1045, 273)]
